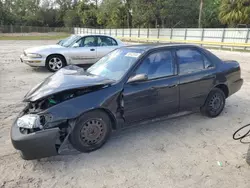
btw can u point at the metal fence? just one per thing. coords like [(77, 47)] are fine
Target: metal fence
[(32, 29), (233, 38)]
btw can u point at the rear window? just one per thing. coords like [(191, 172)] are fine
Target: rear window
[(191, 60)]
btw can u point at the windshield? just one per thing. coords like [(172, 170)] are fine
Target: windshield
[(115, 65), (69, 41)]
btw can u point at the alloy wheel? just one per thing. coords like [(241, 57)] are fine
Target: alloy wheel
[(55, 63)]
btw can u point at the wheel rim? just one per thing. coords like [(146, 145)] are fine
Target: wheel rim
[(93, 131), (216, 103), (55, 63)]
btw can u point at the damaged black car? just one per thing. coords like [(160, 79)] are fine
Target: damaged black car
[(81, 108)]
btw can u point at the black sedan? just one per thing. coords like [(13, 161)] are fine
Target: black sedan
[(81, 108)]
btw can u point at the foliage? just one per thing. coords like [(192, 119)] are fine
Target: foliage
[(124, 13), (233, 12), (210, 14), (112, 14), (88, 13), (71, 18)]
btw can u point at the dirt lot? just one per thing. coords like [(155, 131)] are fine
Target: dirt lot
[(181, 152)]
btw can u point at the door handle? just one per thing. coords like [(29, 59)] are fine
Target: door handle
[(92, 49)]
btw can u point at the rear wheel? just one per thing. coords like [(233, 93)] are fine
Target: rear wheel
[(215, 103), (55, 62), (91, 131)]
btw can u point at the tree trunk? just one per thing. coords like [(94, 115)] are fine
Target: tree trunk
[(162, 23), (200, 14)]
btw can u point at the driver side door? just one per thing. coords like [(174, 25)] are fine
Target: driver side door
[(156, 96), (84, 51)]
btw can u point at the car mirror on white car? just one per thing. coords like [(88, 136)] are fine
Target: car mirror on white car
[(76, 45)]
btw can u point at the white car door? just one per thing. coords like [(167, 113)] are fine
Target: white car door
[(83, 51), (105, 45)]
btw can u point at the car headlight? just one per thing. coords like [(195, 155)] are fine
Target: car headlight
[(29, 121), (33, 55)]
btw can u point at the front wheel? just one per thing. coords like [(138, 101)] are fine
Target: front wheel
[(215, 103), (55, 62), (91, 131)]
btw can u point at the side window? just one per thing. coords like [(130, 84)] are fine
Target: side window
[(157, 65), (106, 41), (208, 64), (80, 42), (88, 42), (191, 60)]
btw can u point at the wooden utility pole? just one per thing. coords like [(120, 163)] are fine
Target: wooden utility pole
[(200, 14)]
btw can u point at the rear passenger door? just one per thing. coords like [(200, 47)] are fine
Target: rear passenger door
[(197, 76), (105, 45)]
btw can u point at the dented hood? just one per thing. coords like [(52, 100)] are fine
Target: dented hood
[(70, 77)]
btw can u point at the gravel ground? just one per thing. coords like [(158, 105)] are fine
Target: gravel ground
[(181, 152)]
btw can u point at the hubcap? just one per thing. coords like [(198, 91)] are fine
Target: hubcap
[(93, 131), (216, 103), (55, 63)]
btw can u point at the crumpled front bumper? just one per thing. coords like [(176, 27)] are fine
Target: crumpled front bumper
[(35, 145)]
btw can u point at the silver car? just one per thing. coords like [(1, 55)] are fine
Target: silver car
[(77, 49)]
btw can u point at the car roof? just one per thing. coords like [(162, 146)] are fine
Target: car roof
[(84, 35), (147, 47)]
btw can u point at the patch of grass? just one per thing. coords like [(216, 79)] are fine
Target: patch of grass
[(45, 37)]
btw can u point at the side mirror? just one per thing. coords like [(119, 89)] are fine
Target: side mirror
[(76, 45), (138, 78)]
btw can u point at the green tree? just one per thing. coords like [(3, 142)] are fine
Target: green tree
[(71, 18), (182, 13), (165, 13), (88, 13), (143, 12), (210, 14), (111, 14), (233, 12)]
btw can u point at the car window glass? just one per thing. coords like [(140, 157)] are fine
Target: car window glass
[(80, 42), (208, 64), (69, 41), (106, 41), (88, 42), (189, 61), (157, 65), (116, 64)]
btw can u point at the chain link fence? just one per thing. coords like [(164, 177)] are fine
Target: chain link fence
[(34, 29)]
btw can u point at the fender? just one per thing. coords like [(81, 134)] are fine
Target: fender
[(73, 108)]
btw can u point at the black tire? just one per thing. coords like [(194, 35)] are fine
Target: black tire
[(59, 62), (91, 131), (214, 104)]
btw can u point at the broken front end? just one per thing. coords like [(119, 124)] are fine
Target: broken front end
[(37, 133), (42, 129)]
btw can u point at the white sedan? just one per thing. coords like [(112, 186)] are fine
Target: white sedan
[(77, 49)]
